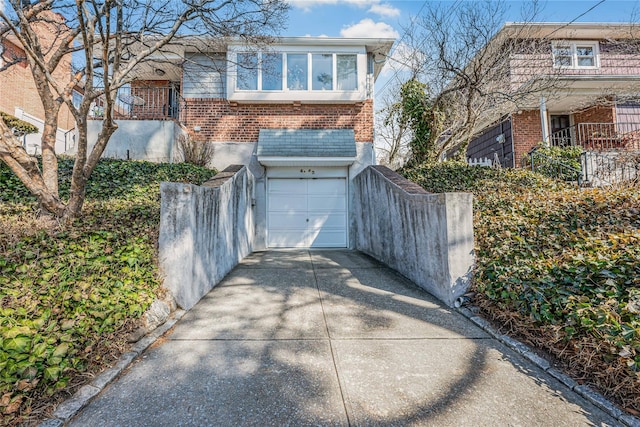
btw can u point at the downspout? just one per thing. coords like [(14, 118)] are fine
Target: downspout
[(543, 120)]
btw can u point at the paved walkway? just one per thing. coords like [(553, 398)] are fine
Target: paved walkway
[(331, 338)]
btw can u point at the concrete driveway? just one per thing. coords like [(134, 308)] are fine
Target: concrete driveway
[(297, 338)]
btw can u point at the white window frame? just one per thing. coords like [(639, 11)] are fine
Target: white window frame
[(573, 46), (258, 71), (283, 61), (309, 88), (358, 94)]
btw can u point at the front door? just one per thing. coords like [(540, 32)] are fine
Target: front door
[(561, 132)]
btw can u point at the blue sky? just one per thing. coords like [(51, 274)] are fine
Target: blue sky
[(387, 18), (384, 18)]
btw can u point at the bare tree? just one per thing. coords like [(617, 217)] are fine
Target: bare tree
[(393, 132), (113, 39), (476, 71)]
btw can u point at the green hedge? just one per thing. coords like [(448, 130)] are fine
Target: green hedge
[(19, 125), (65, 293), (564, 260)]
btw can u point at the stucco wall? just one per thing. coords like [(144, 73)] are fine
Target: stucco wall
[(204, 232), (151, 140), (426, 237)]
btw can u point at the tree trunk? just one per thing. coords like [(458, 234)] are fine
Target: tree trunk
[(48, 141), (26, 169), (78, 178), (49, 158)]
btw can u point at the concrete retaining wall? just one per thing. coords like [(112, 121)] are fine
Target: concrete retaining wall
[(426, 237), (204, 232), (150, 140)]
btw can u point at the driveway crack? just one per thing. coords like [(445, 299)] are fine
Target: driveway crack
[(333, 355)]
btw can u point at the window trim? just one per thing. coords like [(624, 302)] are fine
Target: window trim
[(285, 83), (238, 66), (283, 78), (573, 45)]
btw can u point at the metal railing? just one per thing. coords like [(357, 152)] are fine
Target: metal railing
[(142, 103), (554, 168), (564, 138), (610, 168), (599, 136)]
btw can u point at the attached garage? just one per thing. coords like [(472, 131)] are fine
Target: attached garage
[(307, 212), (307, 187)]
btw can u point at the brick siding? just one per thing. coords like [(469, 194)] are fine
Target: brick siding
[(17, 87), (527, 133), (596, 114), (223, 121)]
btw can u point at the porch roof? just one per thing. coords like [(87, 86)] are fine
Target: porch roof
[(302, 147)]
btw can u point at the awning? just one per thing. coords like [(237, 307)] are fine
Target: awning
[(306, 147)]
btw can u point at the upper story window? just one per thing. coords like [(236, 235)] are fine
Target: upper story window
[(347, 70), (76, 97), (575, 54), (322, 66), (247, 71), (296, 72), (271, 71)]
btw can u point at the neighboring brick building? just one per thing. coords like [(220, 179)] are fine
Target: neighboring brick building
[(594, 103), (18, 94), (299, 114)]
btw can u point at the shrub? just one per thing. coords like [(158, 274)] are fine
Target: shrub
[(562, 163), (197, 153), (19, 126), (67, 295), (559, 265)]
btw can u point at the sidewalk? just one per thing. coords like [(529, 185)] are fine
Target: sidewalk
[(331, 338)]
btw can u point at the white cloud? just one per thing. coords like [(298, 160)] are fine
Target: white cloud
[(384, 9), (307, 5), (367, 28), (399, 60)]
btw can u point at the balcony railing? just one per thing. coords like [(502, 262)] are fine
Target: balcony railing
[(142, 103), (599, 136)]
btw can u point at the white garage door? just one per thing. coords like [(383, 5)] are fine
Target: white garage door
[(306, 213)]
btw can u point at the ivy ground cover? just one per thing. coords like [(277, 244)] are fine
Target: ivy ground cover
[(68, 295), (559, 267)]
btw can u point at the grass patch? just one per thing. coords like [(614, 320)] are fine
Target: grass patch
[(68, 295), (558, 266)]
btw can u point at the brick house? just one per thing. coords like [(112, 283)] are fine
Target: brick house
[(593, 102), (19, 96), (299, 114)]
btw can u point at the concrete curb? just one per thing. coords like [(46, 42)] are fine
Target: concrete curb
[(70, 407), (584, 391)]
